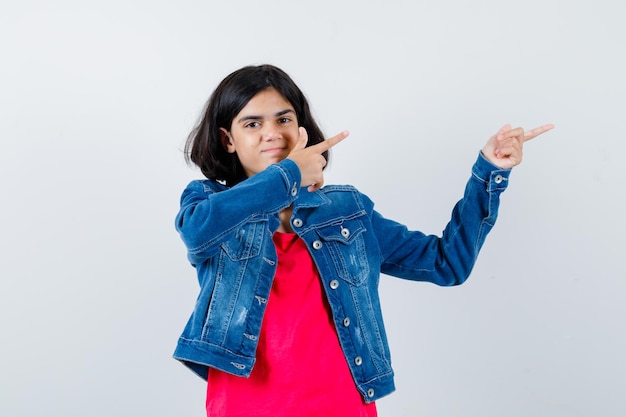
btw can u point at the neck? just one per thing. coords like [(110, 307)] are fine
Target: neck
[(285, 220)]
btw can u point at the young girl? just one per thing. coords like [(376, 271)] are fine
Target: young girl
[(288, 319)]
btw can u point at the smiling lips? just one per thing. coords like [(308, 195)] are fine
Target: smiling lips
[(273, 150)]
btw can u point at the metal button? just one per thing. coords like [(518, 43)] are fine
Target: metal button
[(294, 190), (498, 179), (334, 284), (317, 244), (358, 361), (297, 222), (346, 321), (345, 232), (370, 392)]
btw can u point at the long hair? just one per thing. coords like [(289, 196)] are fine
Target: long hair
[(204, 147)]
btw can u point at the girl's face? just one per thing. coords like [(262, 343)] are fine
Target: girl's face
[(263, 133)]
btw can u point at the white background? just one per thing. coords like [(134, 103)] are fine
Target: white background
[(96, 100)]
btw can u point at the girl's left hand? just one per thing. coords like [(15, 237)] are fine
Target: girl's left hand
[(504, 149)]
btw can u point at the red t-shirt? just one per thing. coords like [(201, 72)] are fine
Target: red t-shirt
[(300, 368)]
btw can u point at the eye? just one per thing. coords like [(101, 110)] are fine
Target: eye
[(252, 125), (284, 120)]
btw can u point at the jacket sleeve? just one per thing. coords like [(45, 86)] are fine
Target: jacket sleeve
[(206, 215), (449, 259)]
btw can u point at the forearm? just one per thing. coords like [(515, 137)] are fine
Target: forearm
[(206, 216), (449, 259)]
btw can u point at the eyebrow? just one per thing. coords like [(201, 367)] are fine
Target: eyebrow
[(253, 117)]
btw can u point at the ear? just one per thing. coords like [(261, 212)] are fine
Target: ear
[(227, 140)]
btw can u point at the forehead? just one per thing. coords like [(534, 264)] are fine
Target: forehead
[(266, 103)]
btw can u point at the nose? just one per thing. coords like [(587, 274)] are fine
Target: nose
[(271, 132)]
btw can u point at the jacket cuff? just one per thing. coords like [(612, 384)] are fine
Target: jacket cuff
[(494, 177), (291, 175)]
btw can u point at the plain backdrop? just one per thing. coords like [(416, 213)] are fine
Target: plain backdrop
[(96, 101)]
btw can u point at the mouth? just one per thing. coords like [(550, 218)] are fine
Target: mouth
[(273, 151)]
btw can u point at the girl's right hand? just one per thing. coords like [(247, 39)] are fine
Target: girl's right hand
[(310, 160)]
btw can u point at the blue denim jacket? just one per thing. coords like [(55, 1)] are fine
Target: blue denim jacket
[(228, 234)]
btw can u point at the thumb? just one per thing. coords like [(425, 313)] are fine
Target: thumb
[(303, 139), (502, 131)]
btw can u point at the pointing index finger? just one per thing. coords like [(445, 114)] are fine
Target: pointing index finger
[(533, 133), (330, 142)]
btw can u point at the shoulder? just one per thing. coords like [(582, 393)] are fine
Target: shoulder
[(205, 185), (201, 189), (338, 191), (349, 195)]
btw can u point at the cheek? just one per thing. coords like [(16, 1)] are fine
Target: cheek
[(292, 140), (292, 137)]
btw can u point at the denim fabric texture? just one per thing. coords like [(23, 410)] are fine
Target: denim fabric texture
[(228, 235)]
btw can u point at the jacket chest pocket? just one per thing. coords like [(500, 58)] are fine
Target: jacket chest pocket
[(345, 243)]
